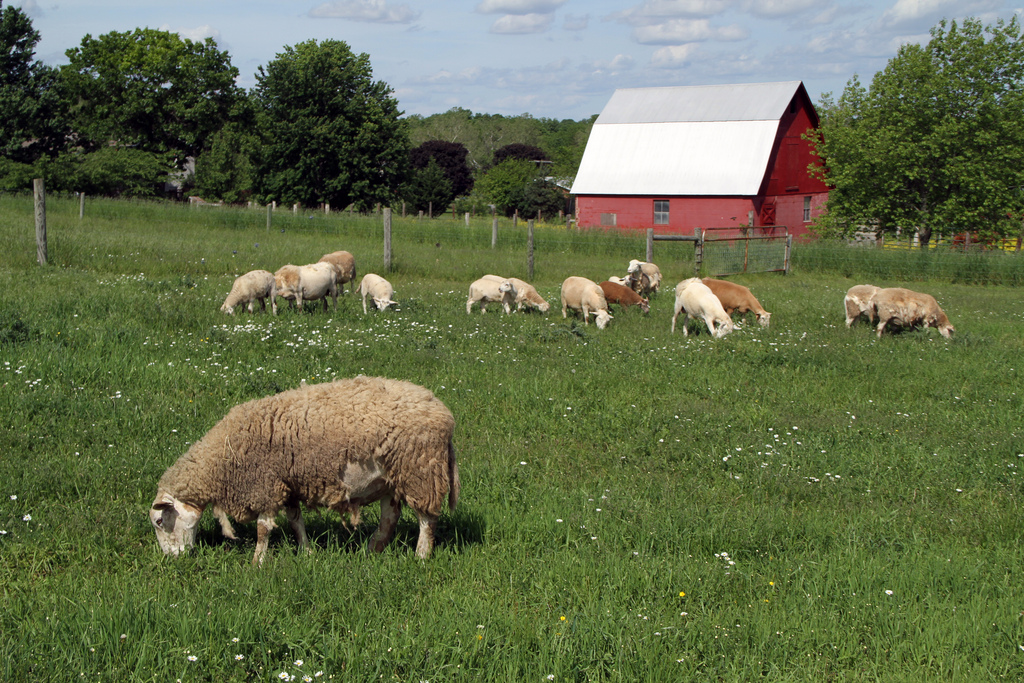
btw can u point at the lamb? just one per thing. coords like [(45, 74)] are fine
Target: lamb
[(624, 296), (697, 299), (581, 294), (256, 285), (734, 297), (636, 271), (491, 288), (340, 445), (307, 283), (344, 268), (900, 307), (860, 299), (378, 289), (526, 294)]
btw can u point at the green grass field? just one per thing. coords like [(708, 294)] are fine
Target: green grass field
[(803, 503)]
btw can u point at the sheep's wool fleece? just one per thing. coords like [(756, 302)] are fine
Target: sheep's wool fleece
[(296, 445)]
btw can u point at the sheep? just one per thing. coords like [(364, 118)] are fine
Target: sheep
[(860, 299), (619, 280), (623, 296), (340, 445), (737, 298), (378, 289), (344, 268), (307, 283), (491, 288), (526, 294), (900, 307), (581, 294), (256, 285), (636, 271), (697, 299)]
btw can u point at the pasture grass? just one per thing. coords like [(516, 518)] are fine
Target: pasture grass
[(802, 503)]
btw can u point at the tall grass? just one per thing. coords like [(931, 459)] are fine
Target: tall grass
[(805, 502)]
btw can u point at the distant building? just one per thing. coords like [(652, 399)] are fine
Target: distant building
[(712, 156)]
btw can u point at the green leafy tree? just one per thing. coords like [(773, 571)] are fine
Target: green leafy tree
[(330, 133), (516, 185), (451, 157), (936, 143), (226, 169), (429, 189), (150, 90)]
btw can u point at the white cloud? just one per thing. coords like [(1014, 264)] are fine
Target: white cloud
[(673, 56), (771, 9), (679, 31), (375, 11), (32, 9), (512, 24), (519, 6), (198, 34), (654, 11), (908, 11), (574, 23)]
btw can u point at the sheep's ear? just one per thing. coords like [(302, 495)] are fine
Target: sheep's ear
[(163, 506)]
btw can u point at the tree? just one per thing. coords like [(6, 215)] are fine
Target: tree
[(32, 121), (149, 90), (451, 157), (936, 143), (518, 150), (330, 133), (429, 189), (226, 170), (517, 185)]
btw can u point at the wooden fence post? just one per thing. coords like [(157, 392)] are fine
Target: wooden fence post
[(698, 252), (494, 232), (387, 238), (529, 249), (81, 205), (39, 194), (650, 244), (269, 211), (789, 248), (467, 219)]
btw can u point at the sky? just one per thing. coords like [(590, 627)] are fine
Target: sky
[(559, 59)]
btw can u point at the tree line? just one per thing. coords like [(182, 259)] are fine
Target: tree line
[(131, 111)]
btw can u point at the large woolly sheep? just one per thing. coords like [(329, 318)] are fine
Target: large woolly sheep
[(527, 295), (697, 299), (307, 283), (378, 289), (256, 285), (636, 273), (897, 307), (340, 445), (738, 299), (581, 294), (344, 268), (860, 299), (488, 289)]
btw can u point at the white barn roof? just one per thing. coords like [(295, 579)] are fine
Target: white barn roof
[(694, 140)]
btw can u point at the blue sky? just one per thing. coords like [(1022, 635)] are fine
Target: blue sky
[(548, 58)]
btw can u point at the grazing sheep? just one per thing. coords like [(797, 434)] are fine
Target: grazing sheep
[(491, 288), (378, 289), (860, 299), (623, 296), (619, 280), (526, 294), (898, 307), (344, 268), (256, 285), (340, 445), (737, 298), (697, 299), (581, 294), (307, 283), (636, 272)]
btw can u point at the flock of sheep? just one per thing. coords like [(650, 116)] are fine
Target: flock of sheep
[(345, 444)]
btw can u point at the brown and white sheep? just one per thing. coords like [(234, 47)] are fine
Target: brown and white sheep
[(624, 296), (644, 277), (697, 299), (256, 285), (860, 299), (527, 295), (340, 445), (898, 307), (378, 289), (581, 294), (307, 283), (344, 268), (737, 298), (491, 288)]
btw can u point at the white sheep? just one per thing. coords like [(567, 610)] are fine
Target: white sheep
[(697, 299), (581, 294), (636, 273), (344, 268), (526, 294), (256, 285), (340, 445), (860, 300), (491, 288), (307, 283), (378, 289)]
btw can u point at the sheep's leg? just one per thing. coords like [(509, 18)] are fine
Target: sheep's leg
[(264, 525), (469, 305), (273, 304), (390, 511), (364, 304), (225, 524), (428, 524), (294, 515), (881, 327)]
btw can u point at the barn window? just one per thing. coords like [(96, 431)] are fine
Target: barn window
[(807, 209), (608, 220), (661, 212)]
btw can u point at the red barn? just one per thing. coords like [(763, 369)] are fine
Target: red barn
[(677, 158)]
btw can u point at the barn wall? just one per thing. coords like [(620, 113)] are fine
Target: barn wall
[(685, 213)]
